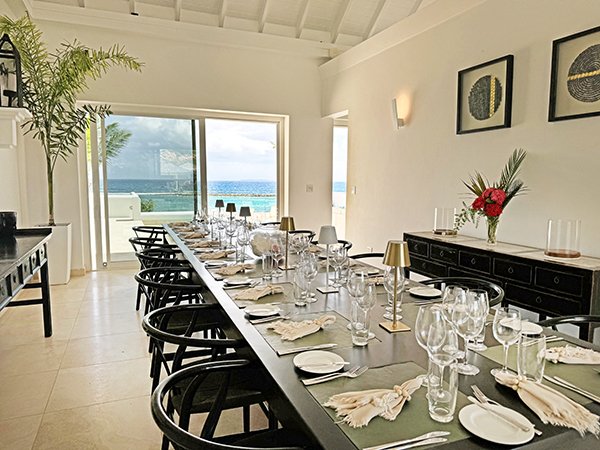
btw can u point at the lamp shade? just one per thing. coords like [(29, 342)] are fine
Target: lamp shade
[(327, 235), (230, 207), (396, 254), (245, 211), (219, 204), (287, 224)]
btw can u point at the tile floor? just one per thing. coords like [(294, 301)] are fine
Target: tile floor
[(87, 386)]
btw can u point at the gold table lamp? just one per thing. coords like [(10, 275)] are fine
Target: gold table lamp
[(396, 256), (287, 225)]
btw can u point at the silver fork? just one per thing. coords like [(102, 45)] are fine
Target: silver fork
[(349, 374), (485, 399)]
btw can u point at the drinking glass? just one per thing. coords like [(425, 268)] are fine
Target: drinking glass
[(360, 321), (468, 316), (221, 224), (426, 316), (310, 267), (230, 230), (267, 266), (243, 239), (388, 284), (357, 285), (369, 300), (478, 343), (278, 252), (507, 330), (300, 290), (531, 357), (337, 260), (450, 294), (442, 392)]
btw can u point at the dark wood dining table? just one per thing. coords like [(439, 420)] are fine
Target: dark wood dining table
[(297, 408)]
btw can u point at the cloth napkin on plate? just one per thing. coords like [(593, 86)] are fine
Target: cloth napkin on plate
[(359, 407), (233, 269), (551, 406), (203, 244), (258, 292), (572, 355), (290, 330), (217, 255), (193, 235), (179, 224)]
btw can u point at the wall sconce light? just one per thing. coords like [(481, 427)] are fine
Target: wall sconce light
[(397, 119)]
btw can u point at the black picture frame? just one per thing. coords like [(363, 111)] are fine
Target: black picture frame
[(478, 106), (575, 90)]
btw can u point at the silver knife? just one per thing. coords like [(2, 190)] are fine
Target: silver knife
[(304, 349), (433, 434), (506, 418), (420, 443), (267, 319)]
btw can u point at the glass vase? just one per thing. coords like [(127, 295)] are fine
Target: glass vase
[(492, 228)]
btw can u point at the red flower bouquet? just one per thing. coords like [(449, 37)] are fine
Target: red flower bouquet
[(492, 199)]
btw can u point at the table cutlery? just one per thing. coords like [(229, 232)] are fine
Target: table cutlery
[(241, 286), (420, 443), (268, 319), (500, 415), (304, 349), (348, 374), (565, 384), (554, 339), (324, 364), (433, 434), (485, 399)]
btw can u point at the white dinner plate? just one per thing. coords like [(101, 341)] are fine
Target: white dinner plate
[(425, 292), (530, 328), (241, 281), (214, 264), (484, 424), (265, 310), (308, 362)]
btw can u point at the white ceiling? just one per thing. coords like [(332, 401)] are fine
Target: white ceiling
[(339, 23)]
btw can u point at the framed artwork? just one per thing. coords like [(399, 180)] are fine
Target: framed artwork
[(485, 96), (575, 77)]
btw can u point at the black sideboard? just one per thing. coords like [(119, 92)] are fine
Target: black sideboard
[(21, 257), (531, 280)]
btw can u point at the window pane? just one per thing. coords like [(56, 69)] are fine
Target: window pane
[(340, 170), (241, 165)]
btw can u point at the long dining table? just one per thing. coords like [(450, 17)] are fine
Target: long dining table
[(391, 357)]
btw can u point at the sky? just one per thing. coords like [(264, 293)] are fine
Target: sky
[(236, 150)]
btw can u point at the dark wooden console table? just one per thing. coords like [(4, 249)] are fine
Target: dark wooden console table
[(21, 257), (531, 280)]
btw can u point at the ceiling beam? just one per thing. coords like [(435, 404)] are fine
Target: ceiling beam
[(222, 12), (375, 18), (342, 11), (415, 7), (262, 16), (302, 17), (177, 6)]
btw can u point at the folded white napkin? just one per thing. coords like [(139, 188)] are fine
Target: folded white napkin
[(233, 269), (550, 405), (203, 244), (290, 330), (359, 407), (193, 235), (217, 255), (258, 292), (179, 224), (572, 355)]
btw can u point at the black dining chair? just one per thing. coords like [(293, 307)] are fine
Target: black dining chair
[(161, 257), (347, 244), (495, 292), (367, 255), (150, 231), (309, 233), (212, 385), (573, 320)]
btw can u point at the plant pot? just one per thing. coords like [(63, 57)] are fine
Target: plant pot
[(59, 253)]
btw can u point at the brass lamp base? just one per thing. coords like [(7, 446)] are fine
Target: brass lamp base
[(391, 328)]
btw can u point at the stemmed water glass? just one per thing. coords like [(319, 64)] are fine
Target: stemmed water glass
[(425, 317), (310, 267), (442, 341), (388, 284), (507, 331), (277, 252), (337, 260), (369, 300), (230, 230), (357, 285), (243, 239), (221, 224), (468, 316)]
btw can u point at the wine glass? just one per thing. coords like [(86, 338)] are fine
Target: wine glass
[(425, 317), (468, 316), (357, 285), (230, 230), (221, 224), (507, 331), (388, 284), (442, 342), (277, 251), (450, 294), (477, 343), (243, 239), (337, 260), (368, 301), (310, 267)]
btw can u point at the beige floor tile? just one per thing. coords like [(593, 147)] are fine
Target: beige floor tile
[(64, 310), (84, 386), (74, 283), (99, 325), (25, 394), (103, 349), (31, 358), (31, 331), (231, 421), (69, 295), (19, 434), (126, 294), (124, 424), (107, 306)]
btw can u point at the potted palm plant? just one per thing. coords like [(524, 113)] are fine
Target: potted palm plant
[(51, 84)]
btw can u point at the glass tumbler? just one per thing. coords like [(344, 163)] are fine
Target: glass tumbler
[(531, 359), (268, 265), (300, 289), (563, 237), (442, 392), (360, 321), (443, 221)]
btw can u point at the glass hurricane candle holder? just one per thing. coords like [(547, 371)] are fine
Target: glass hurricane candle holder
[(443, 221), (563, 236)]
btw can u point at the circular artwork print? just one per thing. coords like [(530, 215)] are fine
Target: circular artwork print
[(485, 97), (583, 80)]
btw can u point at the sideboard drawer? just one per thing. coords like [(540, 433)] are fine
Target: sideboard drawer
[(444, 254), (512, 270), (559, 281), (474, 261), (427, 267), (33, 261), (558, 306), (42, 253), (418, 247), (4, 292)]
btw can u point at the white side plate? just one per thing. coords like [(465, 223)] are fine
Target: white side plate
[(491, 428), (331, 362)]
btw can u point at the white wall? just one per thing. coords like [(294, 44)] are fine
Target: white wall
[(184, 74), (401, 175)]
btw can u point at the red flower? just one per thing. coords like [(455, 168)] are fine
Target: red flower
[(492, 210), (487, 192), (498, 196), (478, 203)]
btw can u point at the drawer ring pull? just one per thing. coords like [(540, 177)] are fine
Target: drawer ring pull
[(442, 253), (511, 270), (473, 261), (538, 299), (556, 280)]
